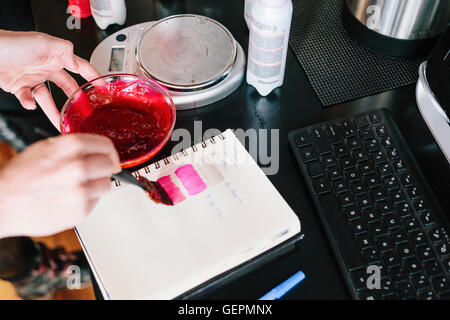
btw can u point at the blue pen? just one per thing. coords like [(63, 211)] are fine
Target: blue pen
[(281, 289)]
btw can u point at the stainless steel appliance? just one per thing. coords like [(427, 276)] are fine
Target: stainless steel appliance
[(397, 27)]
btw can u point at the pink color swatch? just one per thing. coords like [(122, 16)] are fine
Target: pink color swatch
[(172, 190), (190, 179)]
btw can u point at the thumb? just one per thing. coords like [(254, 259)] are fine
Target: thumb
[(25, 98)]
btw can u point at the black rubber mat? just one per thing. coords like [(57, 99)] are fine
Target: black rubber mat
[(338, 67)]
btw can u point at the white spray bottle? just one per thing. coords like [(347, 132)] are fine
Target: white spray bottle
[(106, 12), (269, 26)]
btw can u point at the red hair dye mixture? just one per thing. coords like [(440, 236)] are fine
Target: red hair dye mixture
[(136, 118)]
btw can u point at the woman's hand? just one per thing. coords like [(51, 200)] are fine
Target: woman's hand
[(54, 184), (28, 59)]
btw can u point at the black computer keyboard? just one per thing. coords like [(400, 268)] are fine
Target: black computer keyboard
[(376, 207)]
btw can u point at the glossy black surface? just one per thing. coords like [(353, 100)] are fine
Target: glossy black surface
[(292, 106)]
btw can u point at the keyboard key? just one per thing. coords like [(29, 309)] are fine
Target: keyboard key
[(436, 235), (384, 245), (334, 134), (341, 150), (358, 188), (387, 287), (347, 162), (412, 192), (315, 169), (352, 175), (406, 291), (379, 194), (418, 238), (433, 269), (413, 266), (427, 219), (419, 205), (318, 134), (364, 242), (372, 216), (359, 279), (398, 275), (365, 201), (391, 183), (403, 210), (399, 166), (366, 168), (405, 251), (375, 117), (329, 160), (393, 223), (347, 200), (441, 285), (381, 130), (442, 249), (420, 282), (351, 213), (387, 142), (309, 154), (361, 121), (425, 253), (371, 256), (400, 237), (302, 139), (407, 180), (378, 230), (360, 156), (372, 145), (427, 295), (392, 154), (322, 186), (397, 196), (358, 228), (385, 170), (334, 173), (385, 207), (340, 186), (354, 143), (352, 258), (391, 260), (368, 295), (366, 133), (373, 181), (411, 224), (324, 147), (378, 157)]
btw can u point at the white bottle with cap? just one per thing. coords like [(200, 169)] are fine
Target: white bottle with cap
[(269, 26), (106, 12)]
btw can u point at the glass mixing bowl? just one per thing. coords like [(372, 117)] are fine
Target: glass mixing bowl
[(135, 112)]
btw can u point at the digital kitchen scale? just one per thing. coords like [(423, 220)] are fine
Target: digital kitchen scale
[(194, 57)]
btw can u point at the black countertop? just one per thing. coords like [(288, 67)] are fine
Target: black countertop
[(293, 106)]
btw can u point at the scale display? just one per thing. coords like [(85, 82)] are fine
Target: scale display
[(117, 59)]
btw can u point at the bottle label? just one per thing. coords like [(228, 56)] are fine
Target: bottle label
[(102, 8), (265, 57)]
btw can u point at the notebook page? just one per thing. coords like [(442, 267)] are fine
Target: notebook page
[(142, 250)]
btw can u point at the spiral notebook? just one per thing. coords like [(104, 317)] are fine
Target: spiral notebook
[(226, 213)]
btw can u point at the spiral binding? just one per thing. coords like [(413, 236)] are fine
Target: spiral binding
[(175, 157)]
